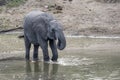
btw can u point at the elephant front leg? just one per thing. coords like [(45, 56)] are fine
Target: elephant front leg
[(54, 50), (27, 47), (44, 47), (35, 53)]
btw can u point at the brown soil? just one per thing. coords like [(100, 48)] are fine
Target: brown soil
[(79, 17)]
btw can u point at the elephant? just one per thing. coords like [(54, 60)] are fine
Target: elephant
[(41, 28)]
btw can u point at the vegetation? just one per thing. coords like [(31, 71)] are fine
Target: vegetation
[(12, 3)]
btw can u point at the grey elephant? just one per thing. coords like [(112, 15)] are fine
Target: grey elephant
[(41, 28)]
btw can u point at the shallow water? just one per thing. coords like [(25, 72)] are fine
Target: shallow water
[(83, 59)]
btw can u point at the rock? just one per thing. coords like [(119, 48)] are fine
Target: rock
[(59, 8)]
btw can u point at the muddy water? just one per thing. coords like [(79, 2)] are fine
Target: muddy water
[(83, 59)]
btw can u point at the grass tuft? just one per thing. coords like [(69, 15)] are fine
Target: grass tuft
[(15, 3)]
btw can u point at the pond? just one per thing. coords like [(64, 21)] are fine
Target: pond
[(83, 59)]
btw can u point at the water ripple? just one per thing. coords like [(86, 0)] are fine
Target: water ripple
[(75, 61)]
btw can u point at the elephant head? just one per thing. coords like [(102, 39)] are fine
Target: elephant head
[(55, 32)]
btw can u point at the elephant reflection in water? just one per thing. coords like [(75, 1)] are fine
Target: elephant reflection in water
[(36, 72)]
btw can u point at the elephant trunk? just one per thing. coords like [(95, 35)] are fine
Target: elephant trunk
[(61, 40)]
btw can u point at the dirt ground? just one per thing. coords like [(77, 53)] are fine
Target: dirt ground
[(79, 17)]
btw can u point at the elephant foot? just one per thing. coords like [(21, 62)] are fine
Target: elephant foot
[(54, 59), (47, 59), (27, 59)]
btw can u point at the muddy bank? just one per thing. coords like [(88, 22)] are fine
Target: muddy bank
[(79, 17)]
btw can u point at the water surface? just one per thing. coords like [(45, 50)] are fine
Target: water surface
[(83, 59)]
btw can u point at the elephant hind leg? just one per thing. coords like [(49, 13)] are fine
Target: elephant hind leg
[(35, 53), (27, 47)]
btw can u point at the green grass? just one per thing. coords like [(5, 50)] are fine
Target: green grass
[(15, 3)]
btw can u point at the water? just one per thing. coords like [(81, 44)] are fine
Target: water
[(83, 59)]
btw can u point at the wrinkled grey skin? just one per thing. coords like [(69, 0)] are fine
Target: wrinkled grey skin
[(39, 29)]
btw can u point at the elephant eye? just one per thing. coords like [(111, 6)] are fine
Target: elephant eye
[(53, 30)]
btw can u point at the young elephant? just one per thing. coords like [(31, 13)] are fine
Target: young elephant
[(39, 29)]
